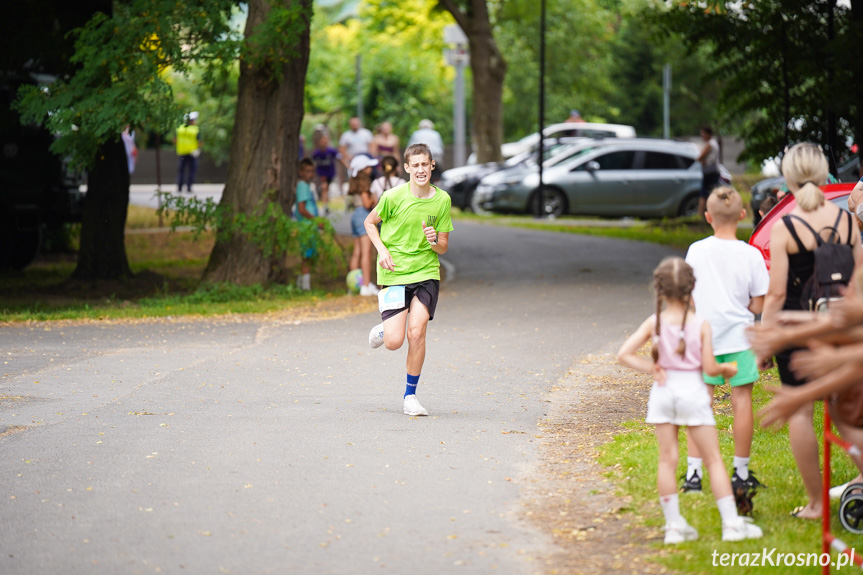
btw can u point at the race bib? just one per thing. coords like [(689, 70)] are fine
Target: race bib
[(392, 297)]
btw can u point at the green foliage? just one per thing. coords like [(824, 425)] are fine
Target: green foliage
[(273, 42), (782, 73), (404, 77), (267, 226), (122, 76)]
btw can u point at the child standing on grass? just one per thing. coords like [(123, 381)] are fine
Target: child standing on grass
[(731, 282), (682, 350), (305, 213)]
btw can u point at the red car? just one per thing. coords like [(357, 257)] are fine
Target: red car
[(760, 238)]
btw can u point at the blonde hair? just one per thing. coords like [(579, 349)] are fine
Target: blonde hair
[(805, 166), (673, 279), (724, 205)]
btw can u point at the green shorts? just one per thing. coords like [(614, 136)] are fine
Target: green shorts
[(747, 369)]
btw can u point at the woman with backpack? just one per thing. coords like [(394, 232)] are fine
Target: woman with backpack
[(793, 248)]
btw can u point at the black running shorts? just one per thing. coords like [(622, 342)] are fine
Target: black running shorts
[(425, 291)]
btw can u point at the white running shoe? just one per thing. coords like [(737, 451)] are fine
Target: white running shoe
[(678, 532), (369, 290), (836, 492), (740, 528), (376, 336), (413, 407)]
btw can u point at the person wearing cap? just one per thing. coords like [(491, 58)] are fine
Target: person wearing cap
[(360, 189), (188, 143), (574, 117), (426, 134), (415, 226)]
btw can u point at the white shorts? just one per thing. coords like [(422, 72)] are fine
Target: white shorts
[(683, 400)]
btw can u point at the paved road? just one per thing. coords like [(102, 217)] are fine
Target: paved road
[(279, 447)]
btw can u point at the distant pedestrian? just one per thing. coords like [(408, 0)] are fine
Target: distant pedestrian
[(574, 117), (188, 142), (386, 143), (357, 140), (325, 156), (426, 134), (128, 137), (390, 179), (709, 159), (305, 213)]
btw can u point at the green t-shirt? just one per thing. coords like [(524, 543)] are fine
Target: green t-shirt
[(402, 234)]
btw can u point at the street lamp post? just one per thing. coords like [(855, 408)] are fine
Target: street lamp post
[(540, 207)]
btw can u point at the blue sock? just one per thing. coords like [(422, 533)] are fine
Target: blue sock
[(413, 381)]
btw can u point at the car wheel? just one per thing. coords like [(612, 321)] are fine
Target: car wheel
[(689, 206), (549, 202), (474, 206)]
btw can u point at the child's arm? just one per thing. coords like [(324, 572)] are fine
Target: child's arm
[(756, 304), (708, 361), (627, 354), (301, 207)]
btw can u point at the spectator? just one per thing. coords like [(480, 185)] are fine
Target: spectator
[(357, 140), (426, 134), (574, 117), (386, 143), (188, 142), (128, 136)]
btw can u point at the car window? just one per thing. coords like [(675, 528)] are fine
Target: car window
[(663, 161), (616, 160), (596, 133)]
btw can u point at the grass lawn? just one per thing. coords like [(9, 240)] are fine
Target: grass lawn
[(167, 268), (632, 457)]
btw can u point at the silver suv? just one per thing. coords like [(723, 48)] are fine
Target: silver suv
[(612, 177)]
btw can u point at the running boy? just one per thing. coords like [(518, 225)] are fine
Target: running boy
[(415, 231), (731, 282)]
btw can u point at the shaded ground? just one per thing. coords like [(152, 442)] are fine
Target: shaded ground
[(570, 495)]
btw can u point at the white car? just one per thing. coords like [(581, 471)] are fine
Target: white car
[(564, 130)]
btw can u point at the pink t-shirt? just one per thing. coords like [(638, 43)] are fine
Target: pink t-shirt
[(669, 339)]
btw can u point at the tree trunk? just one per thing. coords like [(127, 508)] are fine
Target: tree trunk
[(102, 255), (489, 70), (264, 153)]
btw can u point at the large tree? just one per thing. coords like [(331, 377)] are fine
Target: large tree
[(120, 61), (265, 142), (488, 72)]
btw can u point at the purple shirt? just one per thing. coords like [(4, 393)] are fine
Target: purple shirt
[(325, 162)]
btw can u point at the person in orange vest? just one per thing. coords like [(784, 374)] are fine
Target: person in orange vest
[(188, 142)]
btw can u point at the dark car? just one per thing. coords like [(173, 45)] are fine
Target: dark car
[(760, 238), (38, 189), (848, 171), (460, 183)]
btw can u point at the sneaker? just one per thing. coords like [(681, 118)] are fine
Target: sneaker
[(836, 492), (413, 407), (751, 483), (678, 532), (376, 336), (691, 483), (740, 528), (369, 290)]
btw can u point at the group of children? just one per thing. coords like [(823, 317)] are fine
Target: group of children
[(725, 280)]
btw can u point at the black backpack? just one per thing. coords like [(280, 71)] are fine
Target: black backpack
[(834, 263)]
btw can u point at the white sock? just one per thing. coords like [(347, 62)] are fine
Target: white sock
[(693, 465), (727, 508), (670, 508), (741, 466)]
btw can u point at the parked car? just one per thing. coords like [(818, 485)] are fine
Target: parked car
[(760, 238), (848, 171), (563, 130), (39, 191), (609, 177), (461, 182)]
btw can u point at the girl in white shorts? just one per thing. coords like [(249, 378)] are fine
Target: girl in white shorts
[(682, 350)]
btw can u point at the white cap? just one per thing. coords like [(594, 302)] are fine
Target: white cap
[(193, 116), (426, 125), (361, 162)]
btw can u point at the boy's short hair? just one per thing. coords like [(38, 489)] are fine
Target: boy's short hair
[(724, 205), (767, 204), (418, 150), (306, 163)]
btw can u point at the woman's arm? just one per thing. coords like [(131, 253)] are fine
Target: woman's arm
[(628, 352), (775, 298)]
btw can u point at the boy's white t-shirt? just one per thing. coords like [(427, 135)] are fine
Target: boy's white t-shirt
[(728, 273)]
